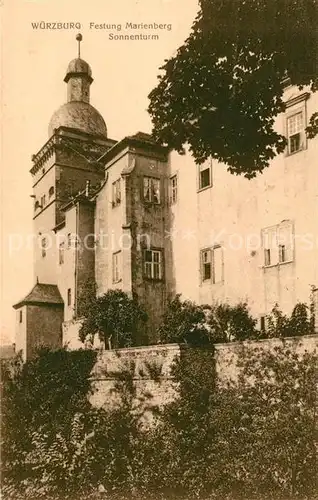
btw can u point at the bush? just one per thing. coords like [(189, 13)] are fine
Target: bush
[(231, 323), (43, 403), (199, 325), (300, 322), (251, 439), (239, 440), (202, 325), (184, 321), (114, 317)]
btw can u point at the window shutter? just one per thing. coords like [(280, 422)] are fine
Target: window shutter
[(217, 265)]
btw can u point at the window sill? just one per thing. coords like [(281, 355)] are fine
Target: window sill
[(118, 281), (278, 264), (154, 280), (152, 203), (210, 282), (288, 154), (205, 188)]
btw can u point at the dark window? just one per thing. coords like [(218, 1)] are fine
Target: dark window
[(173, 189), (262, 324), (69, 297), (295, 132), (205, 174), (43, 246), (267, 257), (153, 264), (295, 143), (212, 264), (205, 178), (282, 253), (51, 191), (116, 267), (116, 193), (61, 253), (206, 265), (151, 190), (277, 242), (20, 316)]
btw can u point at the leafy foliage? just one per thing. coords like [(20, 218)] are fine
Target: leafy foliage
[(230, 323), (223, 89), (250, 438), (279, 407), (202, 325), (312, 129), (300, 322), (235, 441), (114, 316), (198, 325), (43, 402), (184, 321)]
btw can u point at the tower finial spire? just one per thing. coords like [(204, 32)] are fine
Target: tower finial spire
[(79, 38)]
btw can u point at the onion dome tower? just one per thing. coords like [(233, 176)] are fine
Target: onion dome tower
[(77, 113)]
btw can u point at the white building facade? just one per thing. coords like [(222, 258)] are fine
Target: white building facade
[(254, 240), (170, 226)]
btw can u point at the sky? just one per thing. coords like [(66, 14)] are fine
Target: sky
[(33, 66)]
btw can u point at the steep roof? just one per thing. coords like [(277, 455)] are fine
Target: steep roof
[(42, 293), (141, 140)]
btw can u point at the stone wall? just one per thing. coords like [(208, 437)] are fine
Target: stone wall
[(226, 355), (150, 369), (151, 366)]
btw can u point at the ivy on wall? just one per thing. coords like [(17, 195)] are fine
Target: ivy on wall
[(253, 438)]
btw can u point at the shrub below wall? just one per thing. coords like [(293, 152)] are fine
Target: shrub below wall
[(247, 440)]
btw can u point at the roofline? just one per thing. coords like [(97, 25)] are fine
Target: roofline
[(48, 148), (37, 303), (27, 300), (77, 132), (134, 141), (73, 74)]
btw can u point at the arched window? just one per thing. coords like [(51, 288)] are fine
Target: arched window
[(36, 205), (51, 191)]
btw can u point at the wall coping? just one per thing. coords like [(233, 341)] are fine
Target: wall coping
[(153, 347), (176, 346), (297, 338)]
